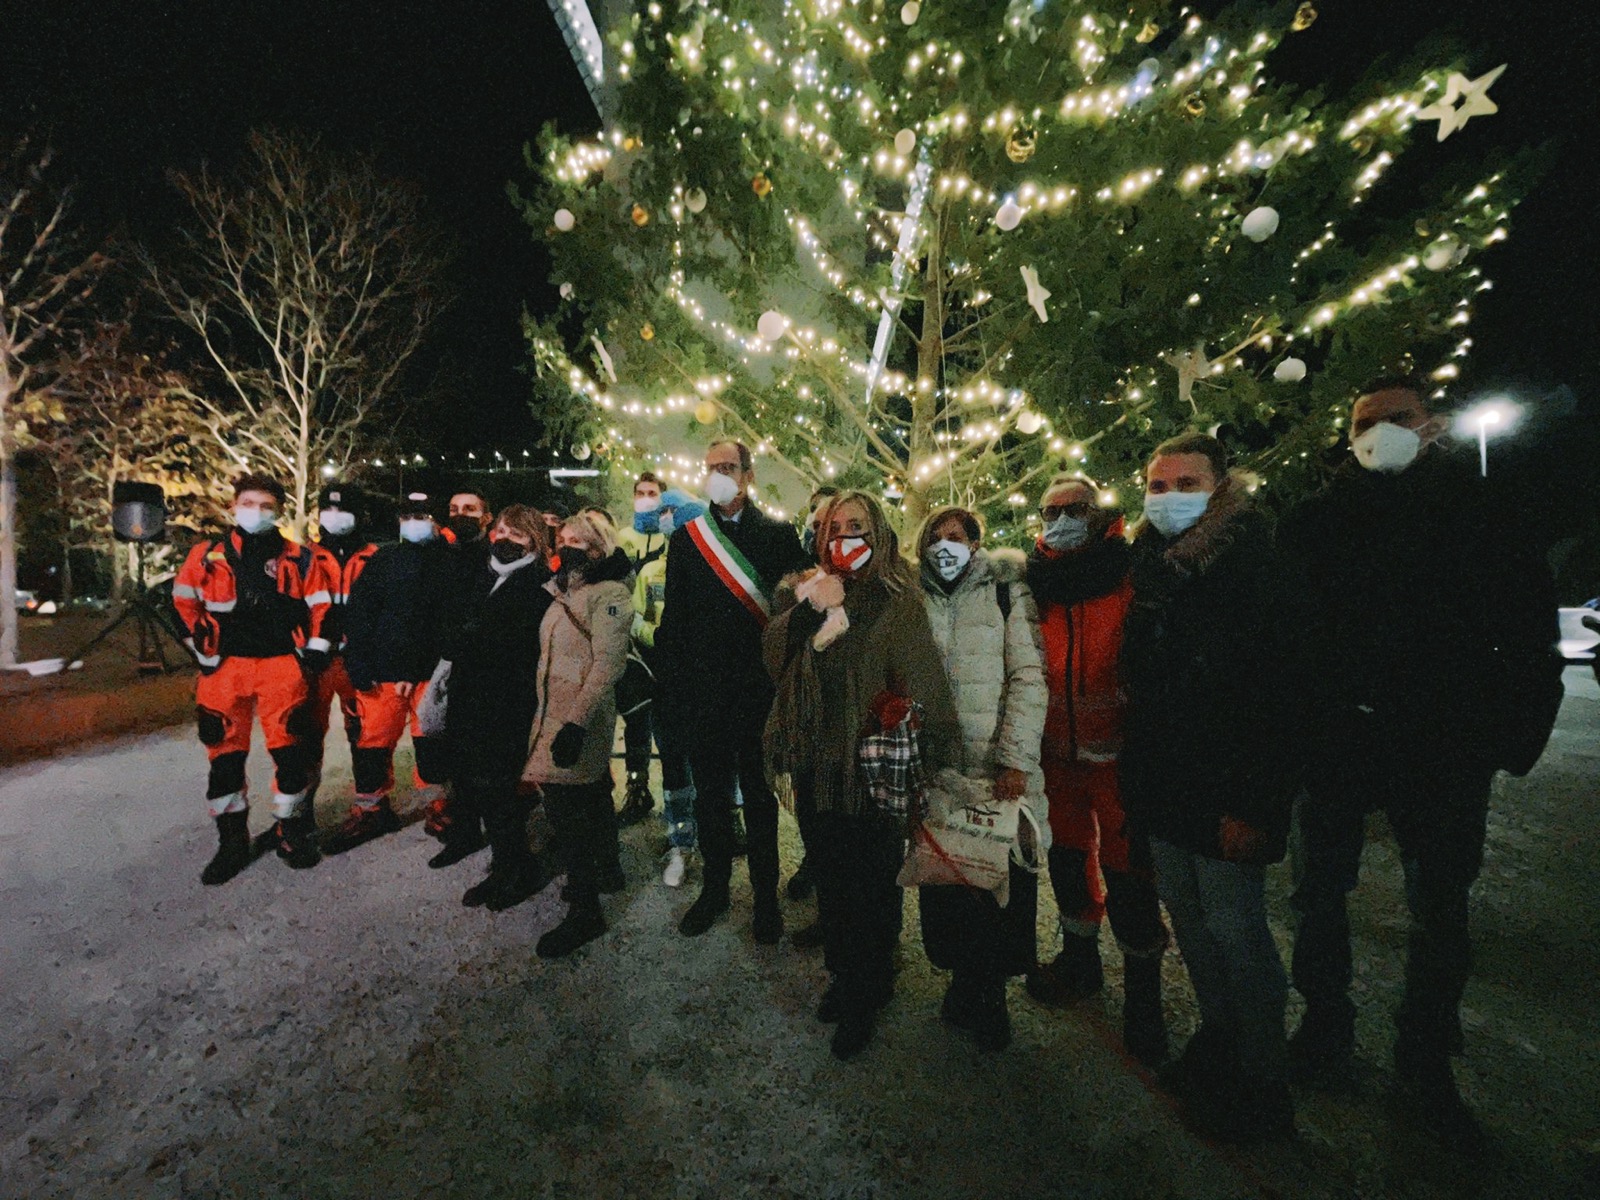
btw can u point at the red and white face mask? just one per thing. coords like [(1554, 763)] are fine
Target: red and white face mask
[(847, 555)]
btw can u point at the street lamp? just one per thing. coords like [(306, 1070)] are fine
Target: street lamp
[(1498, 415)]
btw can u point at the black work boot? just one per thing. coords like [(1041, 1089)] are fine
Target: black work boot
[(1144, 1025), (1075, 975), (296, 841), (638, 802), (703, 913), (461, 840), (510, 885), (233, 849), (583, 923), (362, 824), (991, 1023)]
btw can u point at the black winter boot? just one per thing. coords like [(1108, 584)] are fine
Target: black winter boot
[(1144, 1026), (233, 849), (583, 923), (991, 1023), (462, 839), (1075, 975), (296, 841), (703, 913), (1426, 1089)]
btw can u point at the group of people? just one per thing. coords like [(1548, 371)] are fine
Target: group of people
[(1170, 700)]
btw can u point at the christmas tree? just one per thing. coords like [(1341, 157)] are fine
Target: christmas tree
[(949, 249)]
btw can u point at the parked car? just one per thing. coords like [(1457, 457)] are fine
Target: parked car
[(27, 601)]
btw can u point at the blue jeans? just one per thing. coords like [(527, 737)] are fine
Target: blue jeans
[(1219, 917)]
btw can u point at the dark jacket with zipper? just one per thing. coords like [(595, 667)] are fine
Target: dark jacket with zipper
[(1212, 685), (394, 622)]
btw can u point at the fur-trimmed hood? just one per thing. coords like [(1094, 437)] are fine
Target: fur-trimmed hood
[(1194, 550)]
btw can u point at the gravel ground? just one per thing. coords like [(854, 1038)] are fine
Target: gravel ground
[(352, 1031)]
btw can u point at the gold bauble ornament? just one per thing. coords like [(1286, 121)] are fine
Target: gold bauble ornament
[(1148, 34), (1194, 104), (630, 143), (647, 332), (1304, 17), (641, 215), (706, 412), (1024, 140), (761, 186)]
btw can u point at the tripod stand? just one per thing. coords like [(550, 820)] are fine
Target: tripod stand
[(152, 623)]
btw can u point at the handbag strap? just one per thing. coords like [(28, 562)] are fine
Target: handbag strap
[(1025, 813)]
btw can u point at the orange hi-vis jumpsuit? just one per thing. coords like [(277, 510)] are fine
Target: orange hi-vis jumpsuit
[(333, 683), (249, 603)]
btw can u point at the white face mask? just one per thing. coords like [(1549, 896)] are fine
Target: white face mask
[(949, 558), (416, 529), (254, 520), (1387, 447), (646, 504), (1173, 513), (336, 523), (721, 488)]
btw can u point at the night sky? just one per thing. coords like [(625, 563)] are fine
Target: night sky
[(446, 93)]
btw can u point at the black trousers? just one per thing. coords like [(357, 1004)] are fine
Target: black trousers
[(1439, 817), (719, 768), (585, 825), (854, 860), (965, 931), (493, 800)]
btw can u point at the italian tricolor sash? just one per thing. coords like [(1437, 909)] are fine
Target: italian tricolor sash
[(731, 567)]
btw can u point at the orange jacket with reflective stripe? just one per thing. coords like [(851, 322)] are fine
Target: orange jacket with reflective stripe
[(206, 590), (338, 578)]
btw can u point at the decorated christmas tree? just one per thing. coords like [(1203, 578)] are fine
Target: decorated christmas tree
[(948, 249)]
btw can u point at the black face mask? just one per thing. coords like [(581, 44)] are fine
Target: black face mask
[(504, 550), (466, 529)]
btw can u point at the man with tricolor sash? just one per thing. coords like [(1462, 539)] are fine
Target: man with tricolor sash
[(721, 570)]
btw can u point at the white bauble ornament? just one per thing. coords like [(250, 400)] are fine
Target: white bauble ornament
[(695, 200), (566, 291), (1441, 255), (909, 12), (1029, 422), (1009, 216), (772, 325), (564, 220), (581, 451), (1290, 370), (1260, 224), (905, 142), (705, 412)]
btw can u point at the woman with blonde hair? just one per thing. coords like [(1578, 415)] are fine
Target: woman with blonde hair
[(493, 650), (856, 631), (583, 648)]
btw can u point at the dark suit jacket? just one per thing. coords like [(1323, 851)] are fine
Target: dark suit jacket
[(708, 647)]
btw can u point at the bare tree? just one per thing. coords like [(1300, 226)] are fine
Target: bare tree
[(125, 415), (44, 281), (309, 283)]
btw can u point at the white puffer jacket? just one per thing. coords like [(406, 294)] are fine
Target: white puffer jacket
[(996, 669)]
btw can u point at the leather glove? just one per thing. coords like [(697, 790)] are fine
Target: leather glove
[(315, 661), (568, 744)]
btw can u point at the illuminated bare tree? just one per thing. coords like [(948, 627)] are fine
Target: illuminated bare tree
[(44, 280), (309, 284)]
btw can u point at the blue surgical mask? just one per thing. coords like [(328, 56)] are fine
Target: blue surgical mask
[(254, 520), (1066, 532), (416, 529), (1173, 513)]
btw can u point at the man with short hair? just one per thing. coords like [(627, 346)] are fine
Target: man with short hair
[(394, 628), (468, 518), (646, 549), (1206, 772), (342, 553), (721, 570), (1431, 622), (250, 602)]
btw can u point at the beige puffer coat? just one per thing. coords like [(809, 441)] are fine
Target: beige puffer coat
[(996, 669), (583, 646)]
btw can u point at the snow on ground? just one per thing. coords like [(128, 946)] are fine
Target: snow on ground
[(352, 1031)]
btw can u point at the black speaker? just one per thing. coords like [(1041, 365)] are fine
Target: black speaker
[(138, 512)]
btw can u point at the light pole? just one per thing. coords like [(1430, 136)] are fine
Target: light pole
[(1498, 415)]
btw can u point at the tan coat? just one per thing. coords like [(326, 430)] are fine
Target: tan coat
[(583, 646)]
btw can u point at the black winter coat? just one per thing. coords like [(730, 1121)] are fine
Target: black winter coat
[(493, 648), (1211, 682), (708, 646), (395, 619), (1429, 621)]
